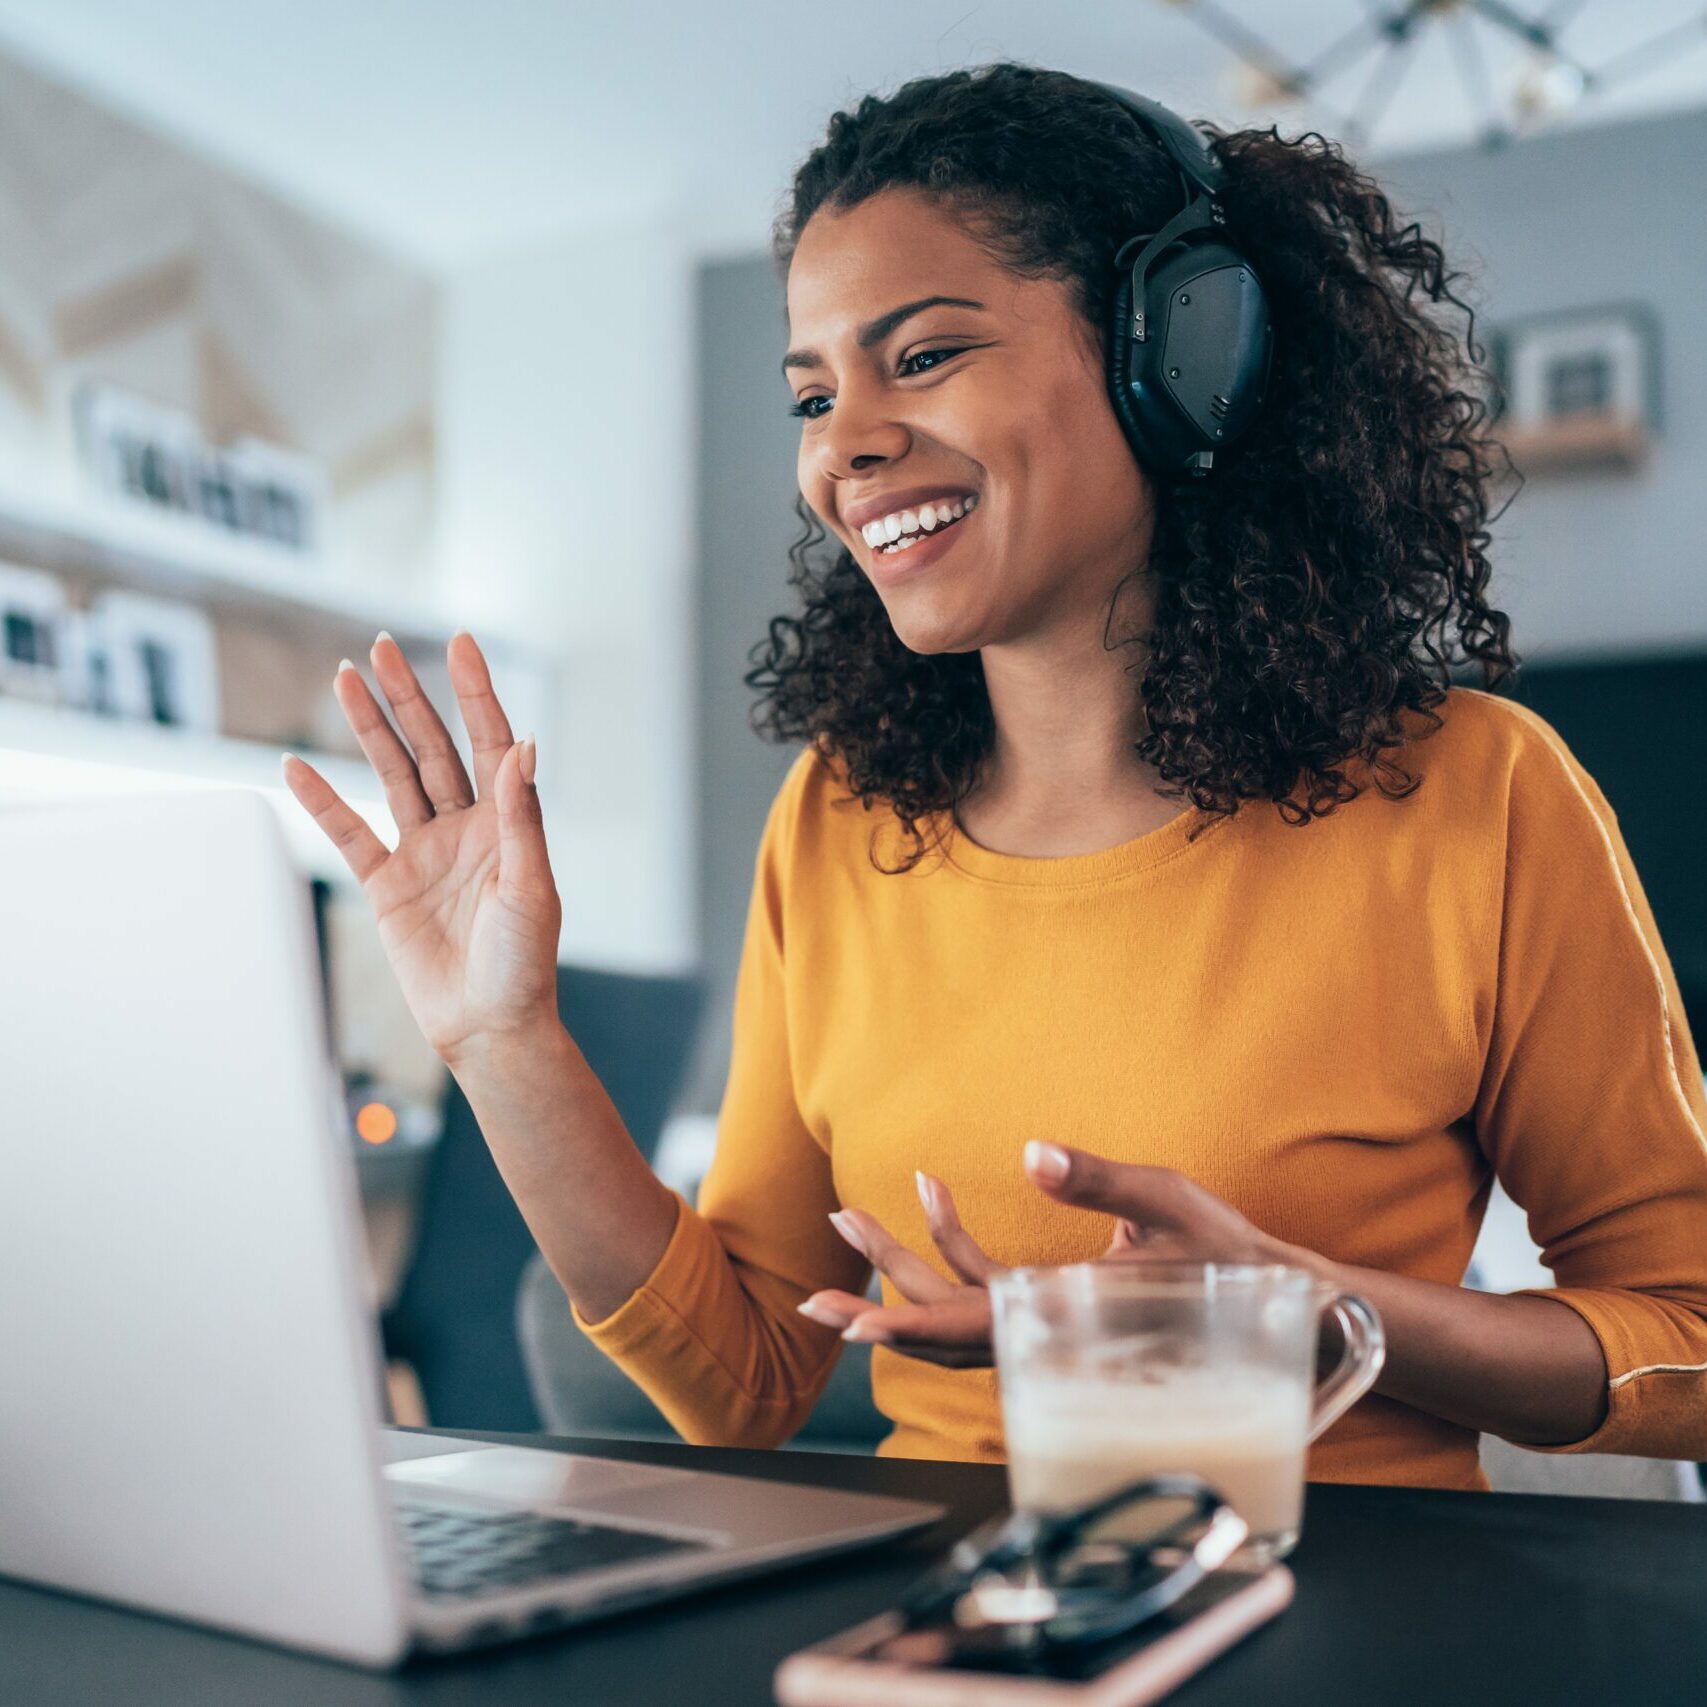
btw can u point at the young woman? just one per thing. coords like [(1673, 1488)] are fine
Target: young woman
[(1143, 883)]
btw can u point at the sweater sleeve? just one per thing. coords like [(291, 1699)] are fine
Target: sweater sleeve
[(1591, 1105), (713, 1336)]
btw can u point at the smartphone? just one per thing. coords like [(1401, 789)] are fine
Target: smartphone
[(875, 1665)]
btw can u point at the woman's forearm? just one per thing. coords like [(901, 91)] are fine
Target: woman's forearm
[(598, 1213), (1527, 1369)]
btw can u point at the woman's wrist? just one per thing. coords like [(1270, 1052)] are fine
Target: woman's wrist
[(1297, 1256), (529, 1038)]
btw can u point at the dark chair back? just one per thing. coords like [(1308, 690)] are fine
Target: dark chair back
[(454, 1319), (1627, 719)]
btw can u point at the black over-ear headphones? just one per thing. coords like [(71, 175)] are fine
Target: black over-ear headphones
[(1190, 338)]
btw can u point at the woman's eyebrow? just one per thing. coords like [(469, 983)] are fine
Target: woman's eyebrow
[(882, 326)]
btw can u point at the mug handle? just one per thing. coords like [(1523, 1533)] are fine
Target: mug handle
[(1359, 1365)]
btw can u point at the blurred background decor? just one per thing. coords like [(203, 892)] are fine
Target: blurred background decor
[(33, 622), (152, 660), (1519, 67), (1580, 387), (135, 449)]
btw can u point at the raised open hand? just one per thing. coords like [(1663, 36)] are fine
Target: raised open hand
[(466, 906)]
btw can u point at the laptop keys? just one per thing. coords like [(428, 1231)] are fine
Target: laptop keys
[(460, 1551)]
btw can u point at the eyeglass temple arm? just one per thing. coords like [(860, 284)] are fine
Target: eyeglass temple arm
[(1019, 1538)]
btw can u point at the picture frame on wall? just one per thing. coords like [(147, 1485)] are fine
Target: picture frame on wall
[(34, 614), (1578, 388), (135, 448), (152, 661), (144, 452)]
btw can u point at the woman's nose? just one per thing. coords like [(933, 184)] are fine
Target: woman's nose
[(863, 428)]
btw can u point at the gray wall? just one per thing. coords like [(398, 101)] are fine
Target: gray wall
[(1589, 563), (746, 524)]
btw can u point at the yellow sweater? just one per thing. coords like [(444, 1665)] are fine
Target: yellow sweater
[(1345, 1028)]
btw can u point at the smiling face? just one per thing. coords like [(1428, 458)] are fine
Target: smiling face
[(998, 394)]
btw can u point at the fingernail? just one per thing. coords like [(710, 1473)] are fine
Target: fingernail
[(384, 634), (840, 1221), (529, 760), (925, 1197), (1048, 1161), (821, 1313), (857, 1332), (285, 758), (343, 665)]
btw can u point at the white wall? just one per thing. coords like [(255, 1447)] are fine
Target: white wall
[(567, 421)]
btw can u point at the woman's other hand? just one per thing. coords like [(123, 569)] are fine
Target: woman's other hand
[(1159, 1214), (943, 1322), (466, 906)]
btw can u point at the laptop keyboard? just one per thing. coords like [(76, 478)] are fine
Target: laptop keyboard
[(460, 1551)]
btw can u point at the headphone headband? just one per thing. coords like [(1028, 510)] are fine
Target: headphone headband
[(1180, 140)]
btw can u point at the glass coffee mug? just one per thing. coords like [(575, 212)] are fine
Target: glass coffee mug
[(1109, 1371)]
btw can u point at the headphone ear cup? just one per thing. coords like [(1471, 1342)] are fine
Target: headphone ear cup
[(1196, 382), (1130, 389), (1211, 338)]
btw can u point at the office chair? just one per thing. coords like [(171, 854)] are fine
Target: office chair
[(454, 1319)]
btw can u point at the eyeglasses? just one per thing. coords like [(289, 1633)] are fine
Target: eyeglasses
[(1026, 1590)]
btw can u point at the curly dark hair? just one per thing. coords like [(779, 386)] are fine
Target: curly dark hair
[(1326, 581)]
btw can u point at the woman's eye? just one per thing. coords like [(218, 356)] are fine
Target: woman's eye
[(920, 355), (804, 406)]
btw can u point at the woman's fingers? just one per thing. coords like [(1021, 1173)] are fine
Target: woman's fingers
[(1171, 1214), (1126, 1239), (1155, 1199), (385, 752), (913, 1275), (833, 1308), (524, 866), (436, 758), (345, 828), (954, 1331), (959, 1249), (1146, 1244), (483, 717)]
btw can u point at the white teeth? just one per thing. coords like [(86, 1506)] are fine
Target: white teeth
[(909, 523)]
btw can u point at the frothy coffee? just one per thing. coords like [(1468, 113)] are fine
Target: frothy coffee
[(1072, 1438)]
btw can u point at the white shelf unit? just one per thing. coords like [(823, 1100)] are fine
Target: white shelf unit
[(57, 753), (127, 544), (51, 754)]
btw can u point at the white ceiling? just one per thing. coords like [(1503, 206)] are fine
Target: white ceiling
[(449, 128)]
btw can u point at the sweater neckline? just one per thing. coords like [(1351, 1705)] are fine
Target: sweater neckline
[(1056, 871)]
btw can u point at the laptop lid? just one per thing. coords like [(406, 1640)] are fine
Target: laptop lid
[(189, 1382)]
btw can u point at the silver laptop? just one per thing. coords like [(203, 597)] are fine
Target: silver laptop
[(189, 1367)]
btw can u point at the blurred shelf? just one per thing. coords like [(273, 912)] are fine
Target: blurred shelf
[(1593, 439), (128, 544), (52, 753)]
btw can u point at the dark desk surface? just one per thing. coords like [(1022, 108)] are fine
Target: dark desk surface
[(1404, 1596)]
